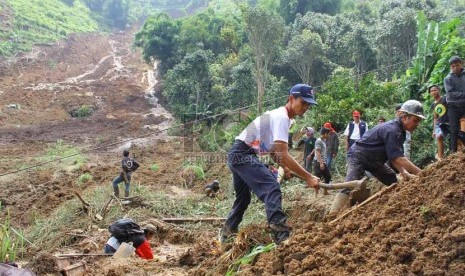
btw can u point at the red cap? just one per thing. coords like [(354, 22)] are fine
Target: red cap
[(328, 126), (356, 113)]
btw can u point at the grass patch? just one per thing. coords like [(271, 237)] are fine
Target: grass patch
[(197, 169), (61, 150), (84, 178), (43, 21), (11, 242), (154, 167), (83, 111)]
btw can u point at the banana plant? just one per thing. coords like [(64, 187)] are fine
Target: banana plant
[(431, 39)]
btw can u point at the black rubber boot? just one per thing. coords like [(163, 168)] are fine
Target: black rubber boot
[(116, 191), (227, 234), (126, 193), (280, 232)]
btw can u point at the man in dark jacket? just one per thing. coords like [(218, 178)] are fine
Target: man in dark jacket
[(355, 130), (381, 144), (454, 85), (128, 166)]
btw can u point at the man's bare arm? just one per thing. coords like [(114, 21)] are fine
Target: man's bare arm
[(403, 165), (281, 156)]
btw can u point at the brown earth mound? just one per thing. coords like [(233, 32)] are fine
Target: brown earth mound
[(418, 229)]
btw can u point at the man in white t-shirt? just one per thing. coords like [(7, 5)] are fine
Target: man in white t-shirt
[(267, 134), (355, 130)]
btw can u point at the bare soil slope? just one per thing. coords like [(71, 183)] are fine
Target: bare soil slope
[(418, 229)]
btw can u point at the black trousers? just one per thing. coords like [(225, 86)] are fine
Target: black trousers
[(322, 173), (455, 113)]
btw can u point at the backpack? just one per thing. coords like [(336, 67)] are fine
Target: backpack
[(123, 229), (130, 164)]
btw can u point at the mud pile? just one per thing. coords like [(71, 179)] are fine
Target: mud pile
[(417, 229)]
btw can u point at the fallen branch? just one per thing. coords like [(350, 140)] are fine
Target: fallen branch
[(81, 199), (77, 235), (106, 208), (83, 254), (372, 198), (181, 220)]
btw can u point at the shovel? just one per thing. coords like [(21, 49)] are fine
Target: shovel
[(359, 192)]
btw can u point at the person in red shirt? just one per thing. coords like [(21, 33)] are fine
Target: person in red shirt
[(139, 241)]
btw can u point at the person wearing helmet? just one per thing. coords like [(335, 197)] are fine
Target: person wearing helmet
[(408, 136), (454, 84), (128, 166), (267, 134), (381, 144)]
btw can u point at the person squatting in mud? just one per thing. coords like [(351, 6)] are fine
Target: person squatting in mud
[(267, 134), (137, 236), (212, 189), (128, 166), (381, 144)]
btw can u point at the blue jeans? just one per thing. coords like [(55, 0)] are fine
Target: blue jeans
[(249, 174), (119, 179)]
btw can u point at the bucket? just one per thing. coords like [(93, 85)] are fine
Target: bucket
[(125, 250)]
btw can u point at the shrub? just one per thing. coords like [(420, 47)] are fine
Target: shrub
[(84, 178)]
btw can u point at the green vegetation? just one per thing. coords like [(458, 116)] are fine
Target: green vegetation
[(357, 54), (248, 259), (154, 167), (11, 242), (83, 111), (197, 169), (84, 178), (426, 213), (60, 150), (44, 21)]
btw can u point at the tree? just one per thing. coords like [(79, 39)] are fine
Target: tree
[(265, 34), (158, 40), (116, 12), (301, 53), (396, 39), (188, 86)]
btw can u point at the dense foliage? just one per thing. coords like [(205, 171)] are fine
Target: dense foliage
[(24, 22), (366, 55)]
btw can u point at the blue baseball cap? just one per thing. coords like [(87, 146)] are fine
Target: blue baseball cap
[(305, 91)]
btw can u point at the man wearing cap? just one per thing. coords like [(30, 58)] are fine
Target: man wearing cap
[(267, 134), (355, 129), (309, 144), (381, 144), (454, 84), (332, 145)]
